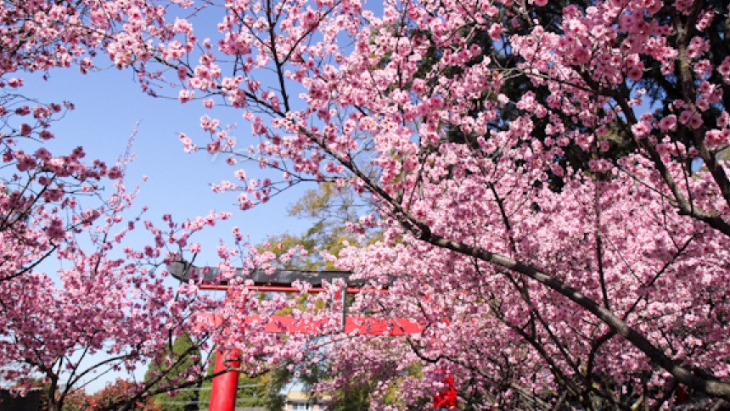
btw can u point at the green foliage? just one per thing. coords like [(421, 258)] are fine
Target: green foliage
[(284, 375), (183, 356), (331, 208), (355, 398)]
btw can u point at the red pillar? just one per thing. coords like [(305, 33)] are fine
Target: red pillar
[(223, 392), (447, 398)]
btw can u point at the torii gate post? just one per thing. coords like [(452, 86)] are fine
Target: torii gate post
[(225, 384), (223, 391)]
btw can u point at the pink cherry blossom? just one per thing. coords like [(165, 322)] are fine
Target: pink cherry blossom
[(548, 182)]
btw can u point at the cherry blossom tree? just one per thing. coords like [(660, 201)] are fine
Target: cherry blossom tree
[(108, 306), (549, 176), (76, 300)]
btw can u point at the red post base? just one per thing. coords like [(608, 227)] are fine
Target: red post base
[(448, 398), (223, 392)]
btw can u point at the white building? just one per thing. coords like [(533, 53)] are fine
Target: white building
[(300, 401)]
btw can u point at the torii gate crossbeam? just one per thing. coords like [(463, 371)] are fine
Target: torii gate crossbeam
[(225, 385)]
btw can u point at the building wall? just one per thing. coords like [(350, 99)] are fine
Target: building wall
[(299, 401)]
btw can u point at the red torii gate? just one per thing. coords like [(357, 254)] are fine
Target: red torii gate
[(225, 385)]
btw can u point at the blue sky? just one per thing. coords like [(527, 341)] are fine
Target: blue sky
[(108, 106)]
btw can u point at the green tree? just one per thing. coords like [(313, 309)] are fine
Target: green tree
[(184, 355), (287, 373), (332, 209)]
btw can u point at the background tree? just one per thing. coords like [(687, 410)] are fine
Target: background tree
[(333, 211), (117, 393), (184, 354), (79, 401)]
